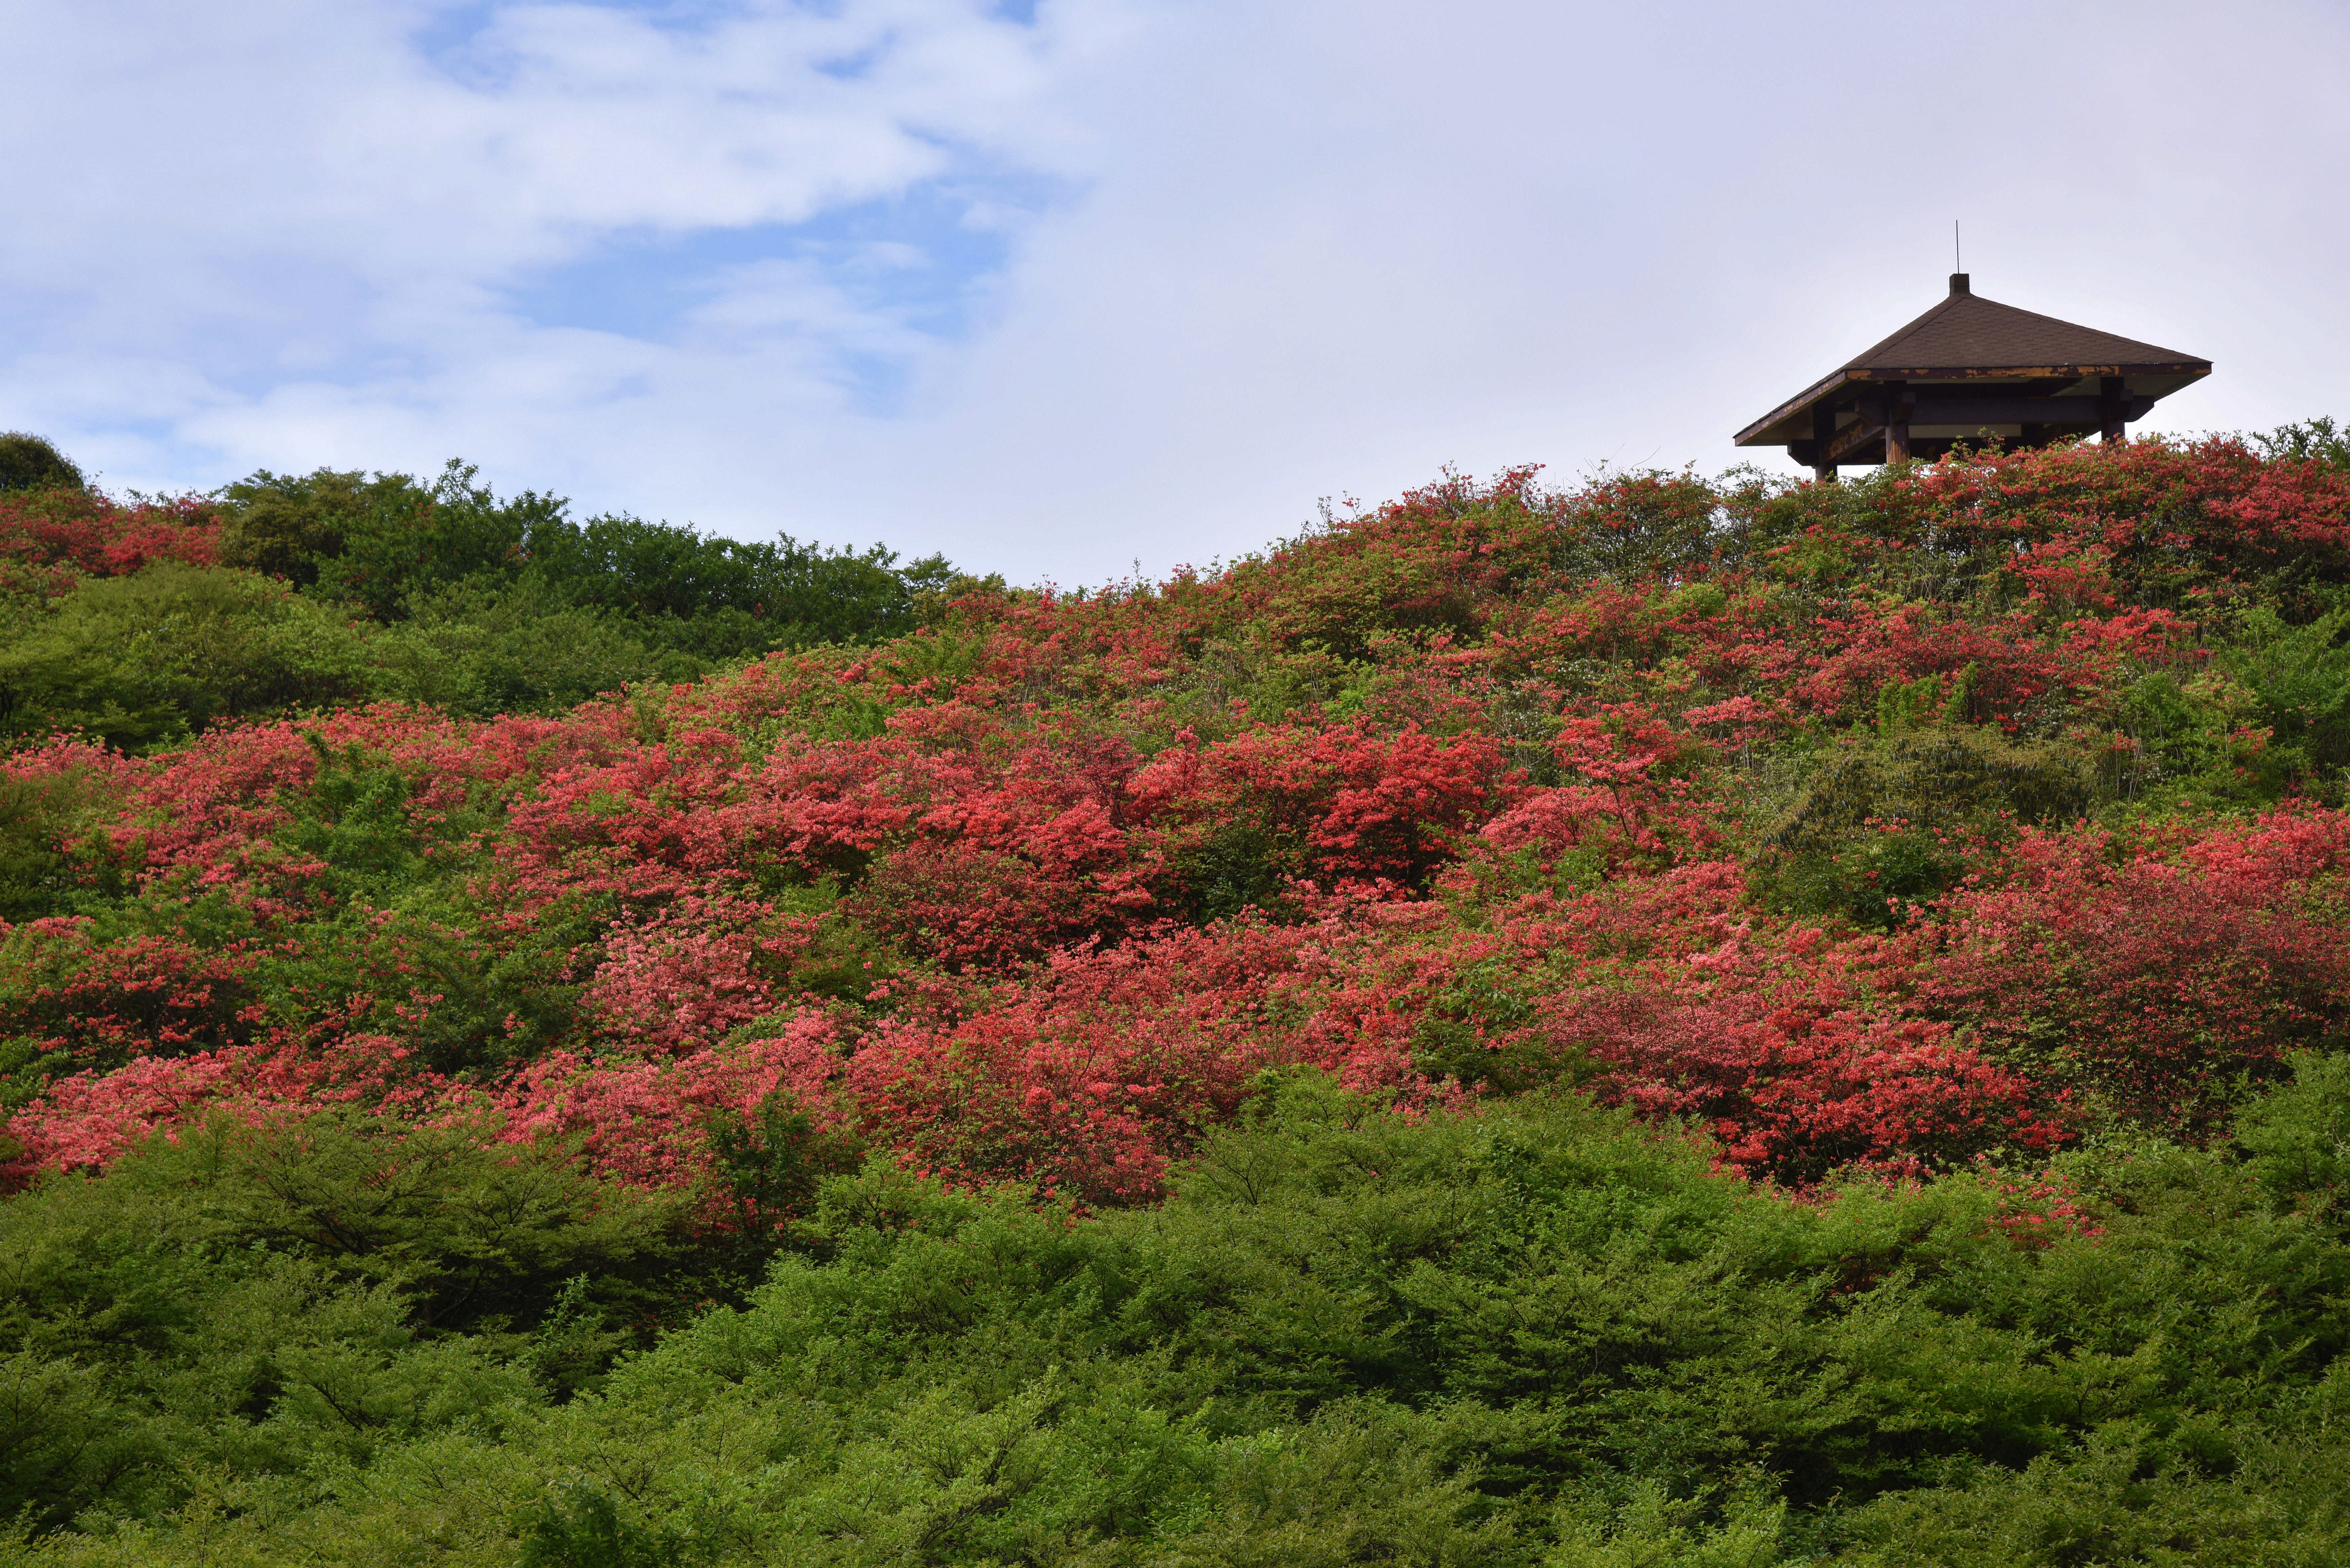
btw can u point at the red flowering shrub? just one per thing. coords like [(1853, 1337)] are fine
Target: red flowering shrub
[(689, 975), (639, 823), (644, 1120), (1347, 806), (98, 1003), (48, 537), (2164, 980), (1791, 1045), (1798, 1090), (1010, 843), (2164, 517), (86, 1120), (1521, 786), (1092, 1077), (1633, 802)]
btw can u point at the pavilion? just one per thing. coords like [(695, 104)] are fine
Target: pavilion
[(1966, 370)]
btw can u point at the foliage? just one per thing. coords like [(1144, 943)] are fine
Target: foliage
[(255, 1298), (2320, 439), (172, 650), (51, 538), (1664, 1020), (292, 593), (472, 649), (1539, 1333), (28, 461)]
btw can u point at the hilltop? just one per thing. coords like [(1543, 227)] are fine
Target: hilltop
[(1656, 1021)]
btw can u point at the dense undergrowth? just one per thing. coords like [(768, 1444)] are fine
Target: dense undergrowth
[(1668, 1021)]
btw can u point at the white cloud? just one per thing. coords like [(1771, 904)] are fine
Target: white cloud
[(288, 129), (1300, 246), (311, 229)]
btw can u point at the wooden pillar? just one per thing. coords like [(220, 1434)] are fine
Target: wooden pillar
[(1822, 432), (2111, 430), (2033, 436), (1898, 402)]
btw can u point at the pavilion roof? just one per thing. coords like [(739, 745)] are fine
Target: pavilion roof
[(1966, 338), (1967, 331)]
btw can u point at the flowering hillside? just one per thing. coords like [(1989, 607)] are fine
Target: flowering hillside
[(1880, 824), (1927, 839)]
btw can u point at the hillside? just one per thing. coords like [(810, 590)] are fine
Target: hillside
[(1658, 1022)]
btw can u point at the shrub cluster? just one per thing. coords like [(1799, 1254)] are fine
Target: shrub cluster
[(1665, 1021), (143, 624), (1538, 1334)]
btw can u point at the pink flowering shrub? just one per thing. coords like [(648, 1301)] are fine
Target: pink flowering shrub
[(98, 1003), (86, 1120), (687, 976), (644, 1118)]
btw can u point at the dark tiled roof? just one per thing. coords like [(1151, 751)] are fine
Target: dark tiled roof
[(1966, 341), (1968, 330)]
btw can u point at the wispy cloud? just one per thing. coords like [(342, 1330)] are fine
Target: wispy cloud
[(255, 227)]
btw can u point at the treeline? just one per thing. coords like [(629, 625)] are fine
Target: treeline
[(144, 622)]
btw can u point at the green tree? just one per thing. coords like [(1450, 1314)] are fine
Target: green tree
[(412, 538), (2303, 440), (285, 525), (28, 461)]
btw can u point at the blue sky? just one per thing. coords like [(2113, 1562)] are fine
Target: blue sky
[(1060, 288)]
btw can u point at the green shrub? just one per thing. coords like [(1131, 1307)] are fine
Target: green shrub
[(143, 660), (38, 817), (269, 1300), (1538, 1334), (1897, 817), (28, 461), (475, 649)]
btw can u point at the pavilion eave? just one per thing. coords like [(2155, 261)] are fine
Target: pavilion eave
[(2143, 381)]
